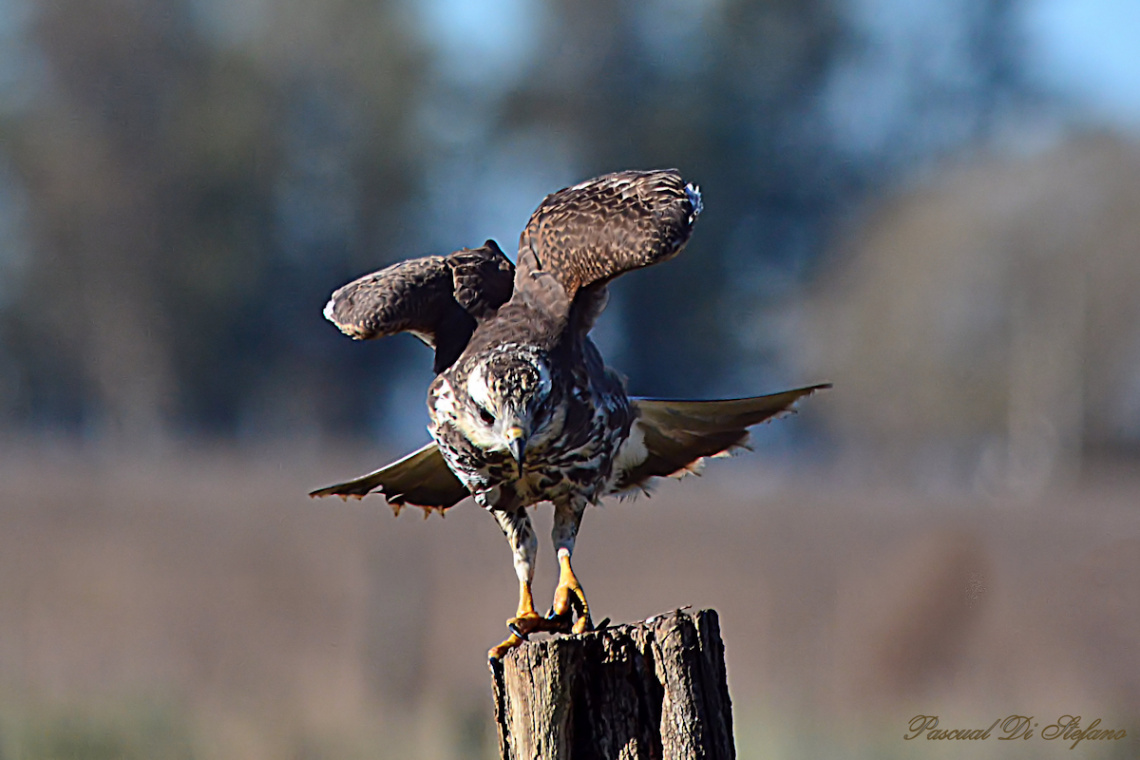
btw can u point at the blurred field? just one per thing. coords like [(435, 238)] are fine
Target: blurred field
[(201, 606), (933, 206)]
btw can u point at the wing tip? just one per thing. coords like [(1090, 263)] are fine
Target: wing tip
[(693, 192), (356, 332), (337, 490), (396, 502)]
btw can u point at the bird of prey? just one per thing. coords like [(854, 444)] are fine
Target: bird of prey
[(523, 409)]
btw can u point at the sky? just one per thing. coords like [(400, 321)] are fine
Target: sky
[(1086, 50), (1090, 51)]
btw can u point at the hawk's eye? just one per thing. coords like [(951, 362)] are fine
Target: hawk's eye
[(487, 417)]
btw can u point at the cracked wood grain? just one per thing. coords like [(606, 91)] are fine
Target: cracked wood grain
[(654, 689)]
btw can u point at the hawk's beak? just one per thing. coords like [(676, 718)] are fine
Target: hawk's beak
[(516, 442)]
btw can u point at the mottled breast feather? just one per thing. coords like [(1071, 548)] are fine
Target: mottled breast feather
[(440, 299)]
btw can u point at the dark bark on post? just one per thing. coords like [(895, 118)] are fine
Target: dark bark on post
[(655, 689)]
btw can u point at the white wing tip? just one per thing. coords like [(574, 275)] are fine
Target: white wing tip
[(694, 194), (348, 329)]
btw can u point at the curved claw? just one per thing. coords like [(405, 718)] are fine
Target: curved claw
[(496, 653), (568, 622), (526, 624), (570, 600), (570, 613), (583, 624), (522, 626)]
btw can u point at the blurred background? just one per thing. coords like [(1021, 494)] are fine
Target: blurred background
[(934, 205)]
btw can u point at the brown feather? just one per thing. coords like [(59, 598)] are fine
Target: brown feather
[(678, 434), (438, 298), (421, 479), (592, 232)]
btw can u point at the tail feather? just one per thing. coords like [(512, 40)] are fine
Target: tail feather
[(672, 437), (421, 479)]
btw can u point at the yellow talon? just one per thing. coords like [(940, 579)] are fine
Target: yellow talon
[(570, 598), (497, 652), (525, 622)]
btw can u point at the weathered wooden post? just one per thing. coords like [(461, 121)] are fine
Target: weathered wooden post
[(655, 689)]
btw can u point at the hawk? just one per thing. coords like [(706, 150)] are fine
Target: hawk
[(523, 409)]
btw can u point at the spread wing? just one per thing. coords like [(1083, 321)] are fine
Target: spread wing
[(421, 479), (671, 437), (582, 237), (440, 299)]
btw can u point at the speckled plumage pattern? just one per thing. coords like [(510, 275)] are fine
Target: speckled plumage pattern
[(569, 458), (574, 427), (523, 409), (576, 240)]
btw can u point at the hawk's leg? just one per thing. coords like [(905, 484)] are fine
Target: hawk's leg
[(569, 597), (524, 545)]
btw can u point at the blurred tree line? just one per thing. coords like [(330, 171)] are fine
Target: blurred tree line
[(183, 182)]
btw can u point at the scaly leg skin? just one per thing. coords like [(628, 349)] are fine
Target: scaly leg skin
[(526, 621), (524, 545), (569, 597)]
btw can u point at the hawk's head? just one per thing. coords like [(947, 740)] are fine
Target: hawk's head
[(501, 400)]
